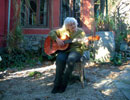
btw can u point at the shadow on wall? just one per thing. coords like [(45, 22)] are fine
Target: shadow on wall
[(105, 47)]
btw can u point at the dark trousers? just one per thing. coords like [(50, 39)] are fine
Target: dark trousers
[(64, 66)]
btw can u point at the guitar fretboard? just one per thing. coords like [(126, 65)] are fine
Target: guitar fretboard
[(68, 41)]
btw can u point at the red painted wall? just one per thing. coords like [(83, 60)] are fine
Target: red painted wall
[(56, 13), (2, 21), (86, 17)]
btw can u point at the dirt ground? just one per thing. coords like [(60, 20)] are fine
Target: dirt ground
[(18, 85)]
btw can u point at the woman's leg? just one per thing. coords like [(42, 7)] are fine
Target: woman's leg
[(73, 57), (60, 66)]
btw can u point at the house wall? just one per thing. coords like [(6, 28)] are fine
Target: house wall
[(87, 16), (2, 21), (33, 34)]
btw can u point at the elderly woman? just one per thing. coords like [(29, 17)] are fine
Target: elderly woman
[(66, 59)]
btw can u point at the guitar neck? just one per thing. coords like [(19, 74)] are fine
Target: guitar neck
[(68, 41), (72, 41), (90, 38)]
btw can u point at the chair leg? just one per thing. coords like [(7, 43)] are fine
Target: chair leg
[(82, 76)]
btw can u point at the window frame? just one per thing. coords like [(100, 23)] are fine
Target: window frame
[(71, 11), (26, 17)]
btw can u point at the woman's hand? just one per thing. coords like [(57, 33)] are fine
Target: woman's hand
[(60, 42), (86, 41)]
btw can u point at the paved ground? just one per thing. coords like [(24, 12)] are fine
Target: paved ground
[(104, 82), (123, 81)]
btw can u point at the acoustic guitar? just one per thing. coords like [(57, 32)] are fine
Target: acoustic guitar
[(51, 46)]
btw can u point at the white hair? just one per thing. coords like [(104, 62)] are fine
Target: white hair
[(69, 20)]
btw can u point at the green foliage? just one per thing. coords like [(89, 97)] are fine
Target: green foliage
[(20, 59), (92, 52), (50, 57), (12, 59), (121, 30), (14, 39), (16, 59), (104, 23), (116, 59), (35, 74)]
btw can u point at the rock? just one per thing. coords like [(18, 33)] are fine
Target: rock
[(105, 47), (9, 70), (39, 63), (1, 76), (123, 46)]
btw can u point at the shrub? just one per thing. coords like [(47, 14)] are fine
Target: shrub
[(104, 23)]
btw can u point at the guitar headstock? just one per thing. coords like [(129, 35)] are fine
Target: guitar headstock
[(88, 40), (94, 38)]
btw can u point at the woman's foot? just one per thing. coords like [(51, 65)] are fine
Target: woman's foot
[(56, 89), (62, 88)]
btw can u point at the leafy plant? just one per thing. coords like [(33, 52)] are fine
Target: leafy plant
[(14, 39), (121, 30), (15, 36), (116, 59), (35, 74), (104, 23), (18, 59), (15, 58)]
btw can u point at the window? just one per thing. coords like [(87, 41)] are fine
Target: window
[(70, 8), (34, 13)]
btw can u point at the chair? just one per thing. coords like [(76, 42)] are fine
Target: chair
[(80, 67)]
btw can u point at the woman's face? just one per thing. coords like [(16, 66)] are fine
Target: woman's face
[(72, 27)]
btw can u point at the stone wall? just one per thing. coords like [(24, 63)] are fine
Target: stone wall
[(105, 47), (33, 42)]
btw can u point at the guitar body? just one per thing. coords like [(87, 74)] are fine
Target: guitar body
[(51, 46)]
